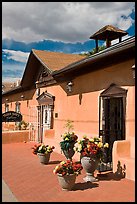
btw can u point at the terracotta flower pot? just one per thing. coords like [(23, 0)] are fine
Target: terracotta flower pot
[(67, 182), (90, 164), (44, 158)]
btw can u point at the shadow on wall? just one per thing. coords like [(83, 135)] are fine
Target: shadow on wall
[(121, 171), (118, 175)]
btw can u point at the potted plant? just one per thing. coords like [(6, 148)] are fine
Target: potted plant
[(43, 151), (67, 172), (69, 139), (91, 153), (22, 125)]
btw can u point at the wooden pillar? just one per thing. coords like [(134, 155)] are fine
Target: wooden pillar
[(120, 38), (108, 43)]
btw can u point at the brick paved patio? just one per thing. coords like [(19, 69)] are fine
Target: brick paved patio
[(30, 181)]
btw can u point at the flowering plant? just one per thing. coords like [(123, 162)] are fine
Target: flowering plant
[(68, 167), (69, 137), (42, 148), (91, 147)]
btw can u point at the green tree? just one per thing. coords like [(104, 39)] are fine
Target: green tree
[(93, 51)]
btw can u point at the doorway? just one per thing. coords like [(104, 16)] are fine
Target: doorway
[(113, 123), (45, 114), (112, 118)]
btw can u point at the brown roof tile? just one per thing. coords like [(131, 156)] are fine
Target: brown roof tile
[(102, 33), (8, 85), (56, 60)]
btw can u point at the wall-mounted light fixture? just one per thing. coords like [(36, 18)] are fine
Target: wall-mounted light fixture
[(36, 83), (133, 71), (37, 91), (69, 86), (7, 100), (22, 96)]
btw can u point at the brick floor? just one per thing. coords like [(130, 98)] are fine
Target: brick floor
[(30, 181)]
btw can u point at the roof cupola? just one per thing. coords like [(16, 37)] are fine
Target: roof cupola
[(108, 33)]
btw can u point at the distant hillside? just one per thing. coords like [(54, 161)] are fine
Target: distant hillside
[(50, 45)]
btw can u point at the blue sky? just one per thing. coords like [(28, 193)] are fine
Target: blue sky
[(67, 22)]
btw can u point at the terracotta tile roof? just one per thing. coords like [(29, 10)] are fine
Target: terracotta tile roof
[(7, 86), (56, 60)]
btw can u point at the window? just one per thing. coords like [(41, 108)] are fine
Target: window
[(6, 107), (17, 107), (47, 116)]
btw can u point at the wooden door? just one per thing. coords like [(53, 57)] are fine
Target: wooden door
[(113, 123)]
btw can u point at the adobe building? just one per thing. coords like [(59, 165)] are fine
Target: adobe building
[(97, 93)]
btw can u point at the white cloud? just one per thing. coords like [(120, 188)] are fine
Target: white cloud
[(10, 79), (64, 21), (17, 55), (12, 72)]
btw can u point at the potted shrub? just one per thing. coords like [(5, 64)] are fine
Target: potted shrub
[(91, 153), (22, 125), (68, 142), (67, 172), (43, 151)]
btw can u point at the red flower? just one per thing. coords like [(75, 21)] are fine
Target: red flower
[(68, 167), (68, 161), (63, 173)]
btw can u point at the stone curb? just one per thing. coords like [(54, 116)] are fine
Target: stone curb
[(7, 195)]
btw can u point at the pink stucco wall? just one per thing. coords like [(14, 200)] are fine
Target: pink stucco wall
[(15, 136), (130, 113)]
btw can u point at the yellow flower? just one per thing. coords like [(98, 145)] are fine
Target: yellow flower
[(54, 171), (106, 145), (64, 135), (84, 136), (63, 162), (91, 140), (88, 146), (100, 144), (100, 139), (79, 147), (40, 148), (73, 133), (56, 167)]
